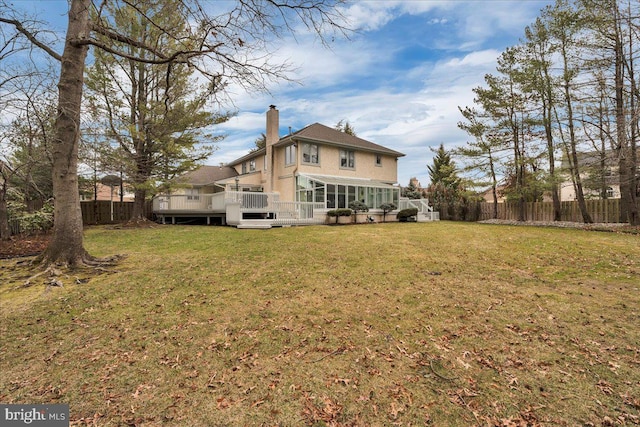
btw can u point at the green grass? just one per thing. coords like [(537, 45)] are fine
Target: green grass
[(407, 324)]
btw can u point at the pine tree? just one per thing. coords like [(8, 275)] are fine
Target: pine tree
[(443, 171), (155, 113), (345, 126)]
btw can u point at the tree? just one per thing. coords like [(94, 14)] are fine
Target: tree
[(5, 173), (443, 171), (512, 124), (229, 46), (481, 153), (446, 192), (565, 27), (357, 206), (386, 208), (261, 142), (27, 105), (345, 126), (25, 159), (615, 40), (411, 191), (570, 87), (538, 77), (155, 114)]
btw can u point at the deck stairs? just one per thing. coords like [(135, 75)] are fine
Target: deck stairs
[(255, 223), (425, 210)]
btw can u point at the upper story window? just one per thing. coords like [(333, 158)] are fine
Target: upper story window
[(252, 165), (244, 167), (310, 153), (289, 154), (347, 159), (378, 160)]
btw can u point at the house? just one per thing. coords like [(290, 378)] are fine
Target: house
[(487, 195), (293, 180), (598, 173), (105, 192)]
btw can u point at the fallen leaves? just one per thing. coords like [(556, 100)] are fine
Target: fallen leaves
[(326, 410)]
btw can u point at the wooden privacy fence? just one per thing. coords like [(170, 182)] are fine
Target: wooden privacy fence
[(607, 210), (99, 212)]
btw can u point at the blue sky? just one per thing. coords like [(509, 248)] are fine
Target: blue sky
[(398, 81)]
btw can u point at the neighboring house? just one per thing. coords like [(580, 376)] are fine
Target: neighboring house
[(103, 192), (598, 173), (293, 180), (487, 195)]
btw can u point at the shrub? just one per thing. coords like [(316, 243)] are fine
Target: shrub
[(37, 221), (404, 214), (339, 212), (386, 207), (358, 206)]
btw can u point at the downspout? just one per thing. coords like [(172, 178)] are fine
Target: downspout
[(295, 170)]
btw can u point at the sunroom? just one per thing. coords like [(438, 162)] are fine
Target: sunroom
[(339, 192)]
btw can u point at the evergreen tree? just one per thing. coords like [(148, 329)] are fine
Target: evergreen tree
[(446, 193), (411, 191), (345, 126), (481, 153), (261, 142), (443, 171), (155, 113)]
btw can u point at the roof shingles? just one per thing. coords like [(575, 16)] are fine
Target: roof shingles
[(206, 175), (324, 134)]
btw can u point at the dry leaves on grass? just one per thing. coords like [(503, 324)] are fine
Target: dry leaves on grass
[(327, 411)]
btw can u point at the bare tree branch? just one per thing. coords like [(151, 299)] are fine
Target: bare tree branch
[(31, 37)]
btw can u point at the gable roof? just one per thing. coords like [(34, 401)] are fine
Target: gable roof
[(250, 155), (588, 159), (326, 135), (205, 175)]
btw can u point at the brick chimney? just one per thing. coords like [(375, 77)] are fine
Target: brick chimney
[(273, 126)]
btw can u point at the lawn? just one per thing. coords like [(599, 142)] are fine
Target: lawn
[(368, 325)]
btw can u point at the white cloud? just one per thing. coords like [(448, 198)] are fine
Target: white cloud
[(368, 16), (480, 58)]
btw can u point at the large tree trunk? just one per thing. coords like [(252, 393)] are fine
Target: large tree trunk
[(66, 246), (582, 204), (139, 202), (5, 232), (557, 213), (626, 161), (573, 154)]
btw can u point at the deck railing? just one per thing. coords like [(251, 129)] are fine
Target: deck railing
[(423, 207), (253, 201), (284, 212), (189, 203), (295, 212)]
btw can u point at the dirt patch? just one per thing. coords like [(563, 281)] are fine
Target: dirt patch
[(23, 245), (31, 245)]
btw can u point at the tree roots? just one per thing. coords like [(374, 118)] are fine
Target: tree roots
[(54, 272)]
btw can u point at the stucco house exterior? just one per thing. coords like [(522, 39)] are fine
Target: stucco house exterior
[(599, 175), (293, 180)]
